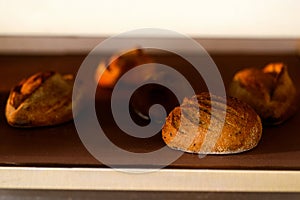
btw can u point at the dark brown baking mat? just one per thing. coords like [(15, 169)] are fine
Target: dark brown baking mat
[(60, 146)]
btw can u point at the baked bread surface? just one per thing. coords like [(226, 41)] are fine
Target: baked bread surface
[(270, 91), (234, 127), (43, 99), (110, 71)]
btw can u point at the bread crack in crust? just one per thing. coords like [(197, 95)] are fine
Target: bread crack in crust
[(270, 91), (44, 99)]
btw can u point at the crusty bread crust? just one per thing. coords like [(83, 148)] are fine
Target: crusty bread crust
[(47, 101), (188, 129), (269, 91)]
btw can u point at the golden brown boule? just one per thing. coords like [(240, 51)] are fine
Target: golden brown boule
[(120, 64), (188, 129), (270, 91)]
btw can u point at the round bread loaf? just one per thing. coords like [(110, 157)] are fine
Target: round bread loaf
[(119, 64), (233, 127), (269, 91)]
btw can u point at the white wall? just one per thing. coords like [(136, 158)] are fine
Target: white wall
[(209, 18)]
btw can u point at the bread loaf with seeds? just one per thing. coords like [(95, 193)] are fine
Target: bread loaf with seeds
[(209, 124)]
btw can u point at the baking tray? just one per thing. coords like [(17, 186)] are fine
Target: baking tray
[(60, 146)]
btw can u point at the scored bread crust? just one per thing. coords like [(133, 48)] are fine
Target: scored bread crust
[(189, 130), (269, 91), (36, 102)]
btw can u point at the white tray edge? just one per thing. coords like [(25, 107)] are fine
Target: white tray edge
[(160, 180)]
